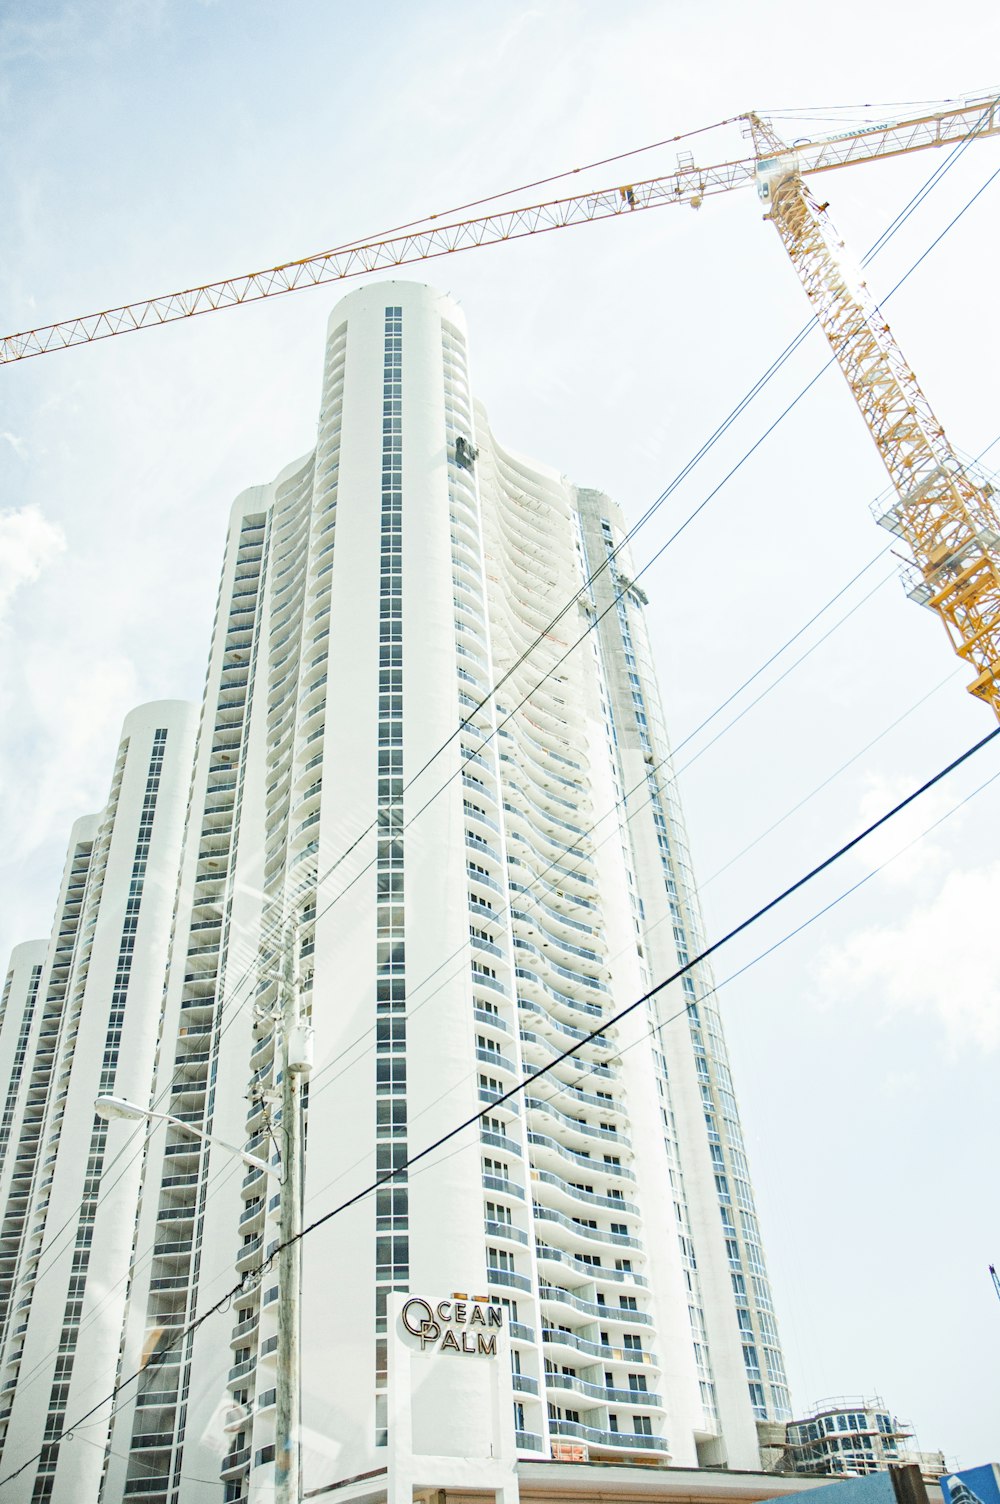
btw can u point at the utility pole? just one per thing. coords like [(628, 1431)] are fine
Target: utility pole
[(296, 1057)]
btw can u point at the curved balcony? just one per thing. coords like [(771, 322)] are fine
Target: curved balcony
[(532, 1042), (560, 1001), (530, 809), (483, 851), (494, 1058), (566, 1345), (541, 782), (549, 789), (597, 1394), (543, 1142), (483, 880), (598, 1043), (249, 1253), (570, 1096), (575, 926), (576, 1194), (500, 1141), (508, 1107), (596, 1272), (480, 817), (580, 1230), (487, 946), (509, 1278), (588, 985), (544, 872), (619, 1441), (577, 1129), (537, 727), (541, 758), (548, 851), (483, 979), (490, 1020), (533, 925), (501, 1231), (250, 1215), (498, 1186), (475, 785)]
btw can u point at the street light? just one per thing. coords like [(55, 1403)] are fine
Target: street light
[(111, 1108), (297, 1060)]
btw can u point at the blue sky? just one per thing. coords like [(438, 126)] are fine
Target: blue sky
[(152, 146)]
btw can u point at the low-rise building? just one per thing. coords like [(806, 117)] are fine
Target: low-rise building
[(852, 1437)]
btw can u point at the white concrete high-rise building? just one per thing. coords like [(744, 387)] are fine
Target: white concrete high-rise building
[(80, 1019), (432, 732)]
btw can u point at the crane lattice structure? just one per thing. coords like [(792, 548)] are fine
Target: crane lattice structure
[(947, 517)]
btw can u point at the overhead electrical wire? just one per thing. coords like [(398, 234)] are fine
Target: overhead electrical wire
[(252, 971), (616, 1018), (308, 888), (656, 1028), (721, 429), (226, 1173), (627, 539), (623, 804), (880, 243), (819, 787), (142, 1131), (801, 882)]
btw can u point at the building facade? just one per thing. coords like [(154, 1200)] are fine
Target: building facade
[(81, 1019), (432, 741), (853, 1437)]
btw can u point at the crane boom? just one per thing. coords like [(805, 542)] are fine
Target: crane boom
[(948, 518), (688, 184)]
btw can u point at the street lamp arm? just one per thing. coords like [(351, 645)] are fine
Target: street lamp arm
[(119, 1107)]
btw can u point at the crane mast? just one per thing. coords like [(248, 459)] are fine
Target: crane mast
[(947, 517)]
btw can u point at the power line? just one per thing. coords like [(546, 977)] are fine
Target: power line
[(26, 1379), (656, 1028), (745, 924), (627, 538), (310, 888), (687, 966), (623, 802), (251, 971), (794, 809), (879, 244)]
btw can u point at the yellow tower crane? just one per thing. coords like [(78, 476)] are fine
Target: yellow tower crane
[(946, 516), (948, 519)]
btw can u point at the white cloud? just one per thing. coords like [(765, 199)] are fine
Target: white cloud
[(16, 443), (938, 961), (76, 718), (28, 544), (904, 863)]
